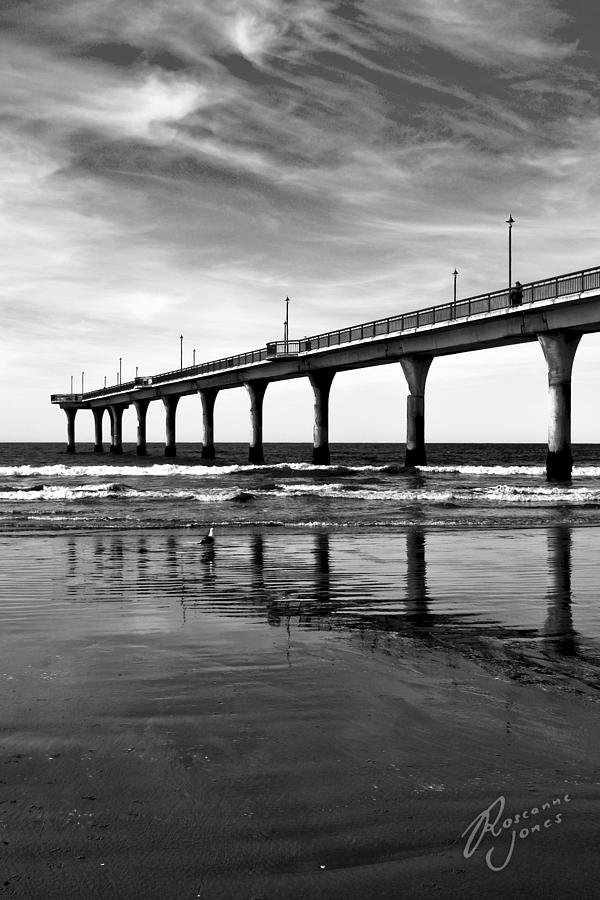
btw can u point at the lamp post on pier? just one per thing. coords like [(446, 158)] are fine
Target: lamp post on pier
[(181, 351), (454, 275), (82, 374), (286, 324), (510, 222), (194, 357), (71, 385)]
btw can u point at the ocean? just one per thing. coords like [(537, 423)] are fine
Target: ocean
[(366, 486), (477, 538), (318, 703)]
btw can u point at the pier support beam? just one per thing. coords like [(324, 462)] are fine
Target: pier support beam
[(115, 411), (256, 390), (415, 369), (98, 412), (321, 385), (559, 349), (207, 398), (141, 408), (70, 413), (170, 402)]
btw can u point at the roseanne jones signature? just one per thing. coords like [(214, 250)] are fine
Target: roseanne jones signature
[(505, 831)]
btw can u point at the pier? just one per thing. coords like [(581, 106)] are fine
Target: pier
[(556, 312)]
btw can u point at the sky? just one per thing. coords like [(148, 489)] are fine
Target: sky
[(179, 167)]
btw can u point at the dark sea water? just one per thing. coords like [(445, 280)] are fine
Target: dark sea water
[(477, 544), (366, 486)]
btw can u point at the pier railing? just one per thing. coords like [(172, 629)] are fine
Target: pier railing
[(215, 365), (277, 349), (535, 291), (494, 301)]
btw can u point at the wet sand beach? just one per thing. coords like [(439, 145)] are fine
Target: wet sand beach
[(299, 715)]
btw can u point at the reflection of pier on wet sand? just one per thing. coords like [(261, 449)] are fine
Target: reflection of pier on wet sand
[(295, 714), (243, 575)]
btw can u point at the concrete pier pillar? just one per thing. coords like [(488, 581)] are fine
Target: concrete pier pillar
[(115, 411), (70, 412), (207, 398), (98, 412), (559, 349), (170, 403), (256, 390), (321, 385), (141, 408), (415, 369)]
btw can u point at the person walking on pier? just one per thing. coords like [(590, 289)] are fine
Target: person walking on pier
[(516, 294)]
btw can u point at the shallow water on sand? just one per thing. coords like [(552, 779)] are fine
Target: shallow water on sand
[(540, 583), (295, 714)]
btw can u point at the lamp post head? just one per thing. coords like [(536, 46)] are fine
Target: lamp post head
[(455, 273), (510, 221)]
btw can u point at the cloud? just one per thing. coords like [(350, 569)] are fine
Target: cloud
[(139, 108), (253, 34), (74, 94), (191, 163), (491, 33)]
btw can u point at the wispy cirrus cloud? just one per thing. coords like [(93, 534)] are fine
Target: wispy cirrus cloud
[(511, 37), (193, 162), (72, 94)]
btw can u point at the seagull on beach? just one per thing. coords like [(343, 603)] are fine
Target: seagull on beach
[(208, 538)]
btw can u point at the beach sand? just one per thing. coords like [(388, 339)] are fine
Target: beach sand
[(158, 741)]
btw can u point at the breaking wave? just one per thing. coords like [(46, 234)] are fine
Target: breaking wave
[(166, 470), (499, 495), (169, 470), (505, 471)]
